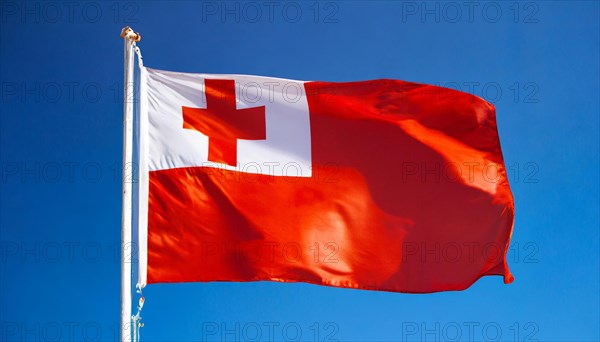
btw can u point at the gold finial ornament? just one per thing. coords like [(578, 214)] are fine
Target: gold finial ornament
[(128, 33)]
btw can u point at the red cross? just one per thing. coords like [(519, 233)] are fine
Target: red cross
[(223, 123)]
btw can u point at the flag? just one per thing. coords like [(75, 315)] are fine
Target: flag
[(381, 185)]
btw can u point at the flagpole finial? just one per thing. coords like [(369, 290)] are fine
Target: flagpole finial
[(128, 33)]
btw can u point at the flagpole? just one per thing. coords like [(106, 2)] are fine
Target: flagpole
[(129, 37)]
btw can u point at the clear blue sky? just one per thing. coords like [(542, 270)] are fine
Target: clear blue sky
[(61, 133)]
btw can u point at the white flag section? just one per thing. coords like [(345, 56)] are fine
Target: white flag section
[(176, 128), (284, 150)]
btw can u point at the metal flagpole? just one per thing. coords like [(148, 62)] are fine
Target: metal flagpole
[(129, 38)]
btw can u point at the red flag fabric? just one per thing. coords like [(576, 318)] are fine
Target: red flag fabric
[(380, 185)]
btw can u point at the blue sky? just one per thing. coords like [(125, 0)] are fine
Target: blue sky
[(61, 134)]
